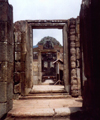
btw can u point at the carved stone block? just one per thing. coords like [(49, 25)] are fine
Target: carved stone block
[(72, 32), (72, 44), (72, 37), (72, 51), (73, 72), (73, 64), (73, 58)]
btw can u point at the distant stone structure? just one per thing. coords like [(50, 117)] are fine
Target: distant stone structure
[(45, 53)]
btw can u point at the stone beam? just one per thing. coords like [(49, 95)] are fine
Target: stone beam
[(47, 21), (47, 25)]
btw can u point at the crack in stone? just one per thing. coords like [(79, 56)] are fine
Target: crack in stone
[(54, 112)]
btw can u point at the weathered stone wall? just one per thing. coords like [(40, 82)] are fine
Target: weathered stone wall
[(23, 57), (6, 57), (90, 39), (74, 55)]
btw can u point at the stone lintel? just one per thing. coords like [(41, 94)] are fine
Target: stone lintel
[(47, 25), (47, 21)]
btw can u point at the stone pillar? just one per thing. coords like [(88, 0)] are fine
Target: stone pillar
[(6, 57), (29, 60), (72, 36), (40, 68), (66, 59), (74, 41), (78, 55), (23, 57)]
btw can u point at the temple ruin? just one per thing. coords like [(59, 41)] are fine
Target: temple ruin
[(80, 56)]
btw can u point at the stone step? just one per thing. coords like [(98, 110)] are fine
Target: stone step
[(48, 89), (44, 114), (46, 96), (45, 109)]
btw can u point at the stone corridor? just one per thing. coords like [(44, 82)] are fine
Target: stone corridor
[(81, 68)]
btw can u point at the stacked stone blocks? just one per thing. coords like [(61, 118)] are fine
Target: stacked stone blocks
[(6, 57), (23, 57), (74, 46)]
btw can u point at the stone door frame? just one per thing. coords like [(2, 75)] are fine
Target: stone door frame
[(55, 24)]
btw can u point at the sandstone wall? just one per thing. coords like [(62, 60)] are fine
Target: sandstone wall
[(23, 57), (6, 57)]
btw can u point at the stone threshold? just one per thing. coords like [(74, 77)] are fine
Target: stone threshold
[(47, 112)]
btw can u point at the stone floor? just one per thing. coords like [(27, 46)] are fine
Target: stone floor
[(45, 101)]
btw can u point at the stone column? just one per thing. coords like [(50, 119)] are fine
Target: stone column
[(66, 61), (29, 59), (6, 57), (40, 67), (23, 57), (74, 41), (78, 55), (72, 37)]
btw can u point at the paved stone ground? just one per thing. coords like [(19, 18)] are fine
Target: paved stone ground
[(59, 104)]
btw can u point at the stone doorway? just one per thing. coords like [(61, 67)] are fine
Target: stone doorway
[(26, 35), (24, 57)]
